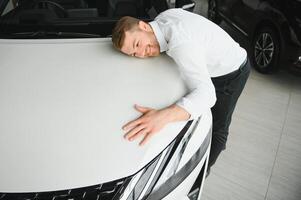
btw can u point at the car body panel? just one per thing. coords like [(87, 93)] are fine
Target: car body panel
[(63, 103)]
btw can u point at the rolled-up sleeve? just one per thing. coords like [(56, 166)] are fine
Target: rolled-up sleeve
[(191, 62)]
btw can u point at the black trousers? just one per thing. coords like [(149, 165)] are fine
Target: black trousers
[(228, 89)]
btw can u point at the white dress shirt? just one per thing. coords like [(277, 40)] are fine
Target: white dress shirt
[(201, 50)]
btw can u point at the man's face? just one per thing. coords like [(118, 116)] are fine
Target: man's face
[(141, 42)]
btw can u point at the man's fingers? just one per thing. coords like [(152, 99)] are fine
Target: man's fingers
[(142, 132), (136, 122), (133, 132), (146, 138), (142, 109), (131, 124)]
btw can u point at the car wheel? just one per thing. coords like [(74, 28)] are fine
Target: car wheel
[(265, 50), (212, 12)]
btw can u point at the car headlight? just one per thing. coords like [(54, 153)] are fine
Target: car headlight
[(148, 182)]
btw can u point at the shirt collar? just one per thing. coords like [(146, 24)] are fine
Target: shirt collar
[(159, 35)]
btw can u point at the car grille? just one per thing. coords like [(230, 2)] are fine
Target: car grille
[(104, 191)]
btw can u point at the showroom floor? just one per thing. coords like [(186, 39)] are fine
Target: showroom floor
[(263, 156)]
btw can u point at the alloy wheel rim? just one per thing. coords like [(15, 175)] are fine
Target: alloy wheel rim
[(264, 50)]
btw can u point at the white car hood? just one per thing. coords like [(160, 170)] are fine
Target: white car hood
[(63, 103)]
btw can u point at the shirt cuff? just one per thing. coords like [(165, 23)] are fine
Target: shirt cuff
[(186, 105)]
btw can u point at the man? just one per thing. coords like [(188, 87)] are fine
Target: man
[(212, 64)]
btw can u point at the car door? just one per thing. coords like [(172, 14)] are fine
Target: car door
[(240, 13), (244, 14), (225, 8)]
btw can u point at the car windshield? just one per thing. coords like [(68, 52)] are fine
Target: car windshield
[(22, 19)]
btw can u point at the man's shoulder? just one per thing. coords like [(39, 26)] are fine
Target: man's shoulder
[(171, 17), (172, 11), (178, 15)]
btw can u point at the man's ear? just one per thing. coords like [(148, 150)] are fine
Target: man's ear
[(144, 26)]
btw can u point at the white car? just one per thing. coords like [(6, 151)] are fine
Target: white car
[(62, 105)]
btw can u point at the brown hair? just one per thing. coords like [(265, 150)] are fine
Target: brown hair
[(124, 24)]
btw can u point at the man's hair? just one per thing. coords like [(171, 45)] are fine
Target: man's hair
[(124, 24)]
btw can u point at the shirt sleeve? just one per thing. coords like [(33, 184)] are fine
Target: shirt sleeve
[(192, 66)]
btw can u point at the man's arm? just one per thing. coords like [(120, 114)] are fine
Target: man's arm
[(152, 121), (192, 66)]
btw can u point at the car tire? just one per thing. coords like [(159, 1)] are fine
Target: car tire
[(265, 50), (212, 12)]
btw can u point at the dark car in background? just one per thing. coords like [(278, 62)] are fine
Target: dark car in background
[(272, 26), (75, 18)]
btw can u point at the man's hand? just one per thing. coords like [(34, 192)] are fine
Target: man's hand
[(152, 121)]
